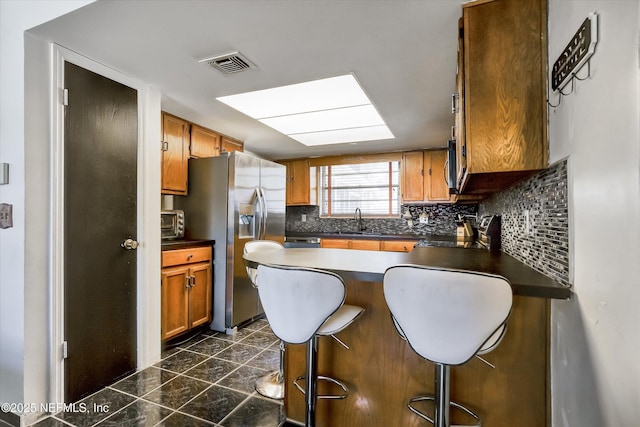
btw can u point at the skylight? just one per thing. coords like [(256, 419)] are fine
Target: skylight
[(327, 111)]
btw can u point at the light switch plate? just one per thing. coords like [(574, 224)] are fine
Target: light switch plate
[(4, 173), (6, 215)]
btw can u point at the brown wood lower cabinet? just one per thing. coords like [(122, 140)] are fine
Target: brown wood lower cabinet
[(186, 290), (369, 245), (397, 245)]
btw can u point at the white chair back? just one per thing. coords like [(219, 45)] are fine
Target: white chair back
[(256, 245), (297, 301), (447, 316)]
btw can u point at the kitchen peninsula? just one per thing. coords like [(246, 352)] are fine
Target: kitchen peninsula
[(383, 372)]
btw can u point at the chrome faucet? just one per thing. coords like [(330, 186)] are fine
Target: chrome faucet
[(358, 217)]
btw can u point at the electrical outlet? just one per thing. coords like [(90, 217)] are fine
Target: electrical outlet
[(424, 219), (304, 217)]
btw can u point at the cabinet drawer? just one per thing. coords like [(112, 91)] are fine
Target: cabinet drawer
[(397, 245), (186, 256)]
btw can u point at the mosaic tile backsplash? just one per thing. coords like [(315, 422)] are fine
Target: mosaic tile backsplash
[(441, 220), (544, 246)]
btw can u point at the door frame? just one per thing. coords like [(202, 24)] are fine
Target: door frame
[(148, 216)]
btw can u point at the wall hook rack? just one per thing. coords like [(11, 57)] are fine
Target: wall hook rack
[(577, 53)]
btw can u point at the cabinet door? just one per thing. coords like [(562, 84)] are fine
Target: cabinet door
[(458, 110), (367, 245), (228, 145), (200, 294), (335, 243), (436, 186), (505, 86), (175, 154), (204, 142), (175, 302), (397, 245), (412, 177), (298, 182)]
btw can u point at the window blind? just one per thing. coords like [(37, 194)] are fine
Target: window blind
[(372, 187)]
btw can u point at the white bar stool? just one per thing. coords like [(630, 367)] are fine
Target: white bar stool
[(272, 384), (447, 317), (301, 304)]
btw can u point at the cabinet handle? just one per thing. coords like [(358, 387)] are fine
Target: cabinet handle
[(444, 172), (188, 280), (193, 281), (454, 103), (453, 132)]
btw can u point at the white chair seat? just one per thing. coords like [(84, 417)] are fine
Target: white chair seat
[(340, 319)]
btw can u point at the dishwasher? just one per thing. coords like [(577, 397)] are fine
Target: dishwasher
[(301, 242)]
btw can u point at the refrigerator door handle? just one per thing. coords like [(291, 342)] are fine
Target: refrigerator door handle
[(258, 215), (265, 213)]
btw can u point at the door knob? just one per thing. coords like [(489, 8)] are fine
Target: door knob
[(129, 244)]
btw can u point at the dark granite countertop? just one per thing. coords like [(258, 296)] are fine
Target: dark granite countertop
[(168, 245), (370, 235)]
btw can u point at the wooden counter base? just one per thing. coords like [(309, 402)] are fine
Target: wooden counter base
[(383, 372)]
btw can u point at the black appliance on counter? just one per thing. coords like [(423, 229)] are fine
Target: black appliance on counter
[(489, 232)]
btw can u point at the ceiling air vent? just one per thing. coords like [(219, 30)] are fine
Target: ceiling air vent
[(230, 63)]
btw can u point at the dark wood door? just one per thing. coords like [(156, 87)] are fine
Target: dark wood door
[(100, 191)]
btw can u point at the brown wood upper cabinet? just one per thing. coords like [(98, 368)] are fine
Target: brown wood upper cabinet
[(175, 154), (298, 182), (412, 176), (181, 140), (503, 62), (435, 176), (204, 142), (423, 177), (208, 143), (228, 145)]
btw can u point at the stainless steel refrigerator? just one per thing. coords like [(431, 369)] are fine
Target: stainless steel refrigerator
[(233, 199)]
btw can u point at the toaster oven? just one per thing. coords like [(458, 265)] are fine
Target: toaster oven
[(172, 224)]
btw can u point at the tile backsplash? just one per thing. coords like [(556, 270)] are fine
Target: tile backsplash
[(542, 240), (441, 220)]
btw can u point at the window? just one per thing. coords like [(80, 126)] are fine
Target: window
[(372, 187)]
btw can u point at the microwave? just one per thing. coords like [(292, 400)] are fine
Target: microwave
[(172, 224)]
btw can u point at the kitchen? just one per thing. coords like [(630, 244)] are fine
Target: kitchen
[(587, 359)]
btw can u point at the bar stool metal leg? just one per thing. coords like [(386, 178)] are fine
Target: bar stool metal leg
[(442, 396), (272, 384), (311, 382)]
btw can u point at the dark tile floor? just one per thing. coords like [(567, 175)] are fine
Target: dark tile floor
[(207, 381)]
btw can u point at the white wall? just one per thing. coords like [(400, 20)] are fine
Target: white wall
[(15, 18), (30, 310), (595, 340)]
